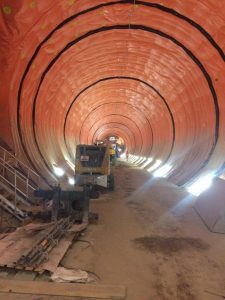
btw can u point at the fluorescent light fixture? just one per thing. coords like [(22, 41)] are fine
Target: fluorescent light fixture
[(123, 155), (163, 171), (201, 184), (139, 160), (71, 181), (135, 158), (142, 160), (58, 171), (148, 161), (155, 165)]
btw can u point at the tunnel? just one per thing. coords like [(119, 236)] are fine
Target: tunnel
[(112, 149), (152, 73)]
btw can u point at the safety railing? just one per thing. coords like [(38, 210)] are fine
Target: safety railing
[(18, 177)]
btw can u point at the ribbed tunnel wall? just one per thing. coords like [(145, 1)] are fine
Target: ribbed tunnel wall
[(73, 71)]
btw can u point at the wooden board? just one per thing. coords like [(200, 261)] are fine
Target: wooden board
[(57, 253), (12, 296), (36, 226), (14, 244), (60, 250), (63, 289)]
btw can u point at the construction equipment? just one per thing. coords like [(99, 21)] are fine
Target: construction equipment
[(92, 166), (64, 203)]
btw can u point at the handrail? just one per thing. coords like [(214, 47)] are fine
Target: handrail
[(19, 190), (20, 162), (17, 176), (11, 168)]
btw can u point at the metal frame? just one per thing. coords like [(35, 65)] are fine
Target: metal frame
[(20, 178)]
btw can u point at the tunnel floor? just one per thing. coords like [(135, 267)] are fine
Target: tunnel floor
[(149, 239)]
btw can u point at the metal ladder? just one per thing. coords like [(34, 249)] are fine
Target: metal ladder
[(17, 184), (11, 208)]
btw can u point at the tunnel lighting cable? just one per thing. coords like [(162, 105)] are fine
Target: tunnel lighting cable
[(163, 171), (155, 165), (201, 184)]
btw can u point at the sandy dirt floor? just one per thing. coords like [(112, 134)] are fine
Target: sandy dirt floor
[(149, 239)]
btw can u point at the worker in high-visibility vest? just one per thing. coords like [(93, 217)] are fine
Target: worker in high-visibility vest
[(112, 153)]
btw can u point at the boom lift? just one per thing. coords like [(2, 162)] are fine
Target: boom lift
[(92, 166)]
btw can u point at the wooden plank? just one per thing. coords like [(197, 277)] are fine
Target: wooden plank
[(36, 226), (57, 253), (63, 289), (25, 275), (14, 244), (8, 296)]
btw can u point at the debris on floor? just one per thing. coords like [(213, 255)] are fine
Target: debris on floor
[(170, 245), (69, 275), (38, 247)]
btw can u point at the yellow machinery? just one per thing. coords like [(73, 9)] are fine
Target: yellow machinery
[(92, 166)]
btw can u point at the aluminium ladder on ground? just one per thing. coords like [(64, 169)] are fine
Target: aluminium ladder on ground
[(17, 184)]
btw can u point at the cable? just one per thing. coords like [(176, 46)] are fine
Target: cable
[(84, 241)]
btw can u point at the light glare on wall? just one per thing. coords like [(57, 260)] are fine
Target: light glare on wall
[(71, 181), (200, 185), (58, 171), (155, 165), (163, 171), (149, 160)]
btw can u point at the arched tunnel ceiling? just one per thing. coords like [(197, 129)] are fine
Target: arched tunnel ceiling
[(79, 70)]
